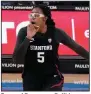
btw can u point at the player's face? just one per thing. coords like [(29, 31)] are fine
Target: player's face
[(38, 17)]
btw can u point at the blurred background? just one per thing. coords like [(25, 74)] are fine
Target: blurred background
[(70, 16)]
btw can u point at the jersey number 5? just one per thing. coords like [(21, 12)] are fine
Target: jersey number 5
[(40, 57)]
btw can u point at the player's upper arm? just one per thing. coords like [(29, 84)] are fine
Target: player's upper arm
[(21, 36), (62, 37), (21, 45)]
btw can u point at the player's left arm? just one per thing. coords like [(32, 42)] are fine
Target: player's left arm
[(62, 37)]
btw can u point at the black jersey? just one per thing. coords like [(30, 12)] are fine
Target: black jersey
[(39, 54)]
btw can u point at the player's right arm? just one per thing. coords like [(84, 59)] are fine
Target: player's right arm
[(23, 40)]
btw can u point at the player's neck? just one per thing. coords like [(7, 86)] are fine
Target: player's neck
[(43, 29)]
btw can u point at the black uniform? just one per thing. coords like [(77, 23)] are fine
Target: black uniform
[(40, 58)]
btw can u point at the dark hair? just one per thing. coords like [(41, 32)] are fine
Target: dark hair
[(47, 12)]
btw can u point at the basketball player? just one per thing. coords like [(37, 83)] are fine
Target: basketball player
[(37, 47)]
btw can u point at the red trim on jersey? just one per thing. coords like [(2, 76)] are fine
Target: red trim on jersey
[(59, 84), (62, 80), (58, 71)]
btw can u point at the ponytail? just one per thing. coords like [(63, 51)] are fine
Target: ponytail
[(50, 22)]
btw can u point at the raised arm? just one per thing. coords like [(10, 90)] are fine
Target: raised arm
[(21, 46), (23, 41)]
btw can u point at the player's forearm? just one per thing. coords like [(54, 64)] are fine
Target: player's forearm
[(81, 51), (20, 51)]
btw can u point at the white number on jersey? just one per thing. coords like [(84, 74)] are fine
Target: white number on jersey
[(40, 57)]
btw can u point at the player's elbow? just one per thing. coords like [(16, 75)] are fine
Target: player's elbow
[(14, 57)]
